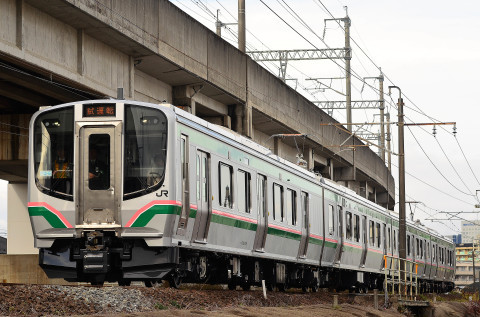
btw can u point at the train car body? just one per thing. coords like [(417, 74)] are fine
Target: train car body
[(124, 191)]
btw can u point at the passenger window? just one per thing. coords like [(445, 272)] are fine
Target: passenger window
[(225, 185), (372, 232), (378, 234), (278, 202), (331, 226), (356, 228), (408, 245), (417, 249), (305, 208), (291, 207), (261, 192), (243, 186), (348, 231), (198, 177), (394, 240), (389, 239)]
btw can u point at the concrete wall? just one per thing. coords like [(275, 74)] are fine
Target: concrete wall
[(20, 236), (24, 269)]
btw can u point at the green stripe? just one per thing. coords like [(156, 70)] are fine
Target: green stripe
[(147, 215), (347, 247), (329, 244), (315, 241), (193, 213), (284, 234), (51, 218), (227, 221)]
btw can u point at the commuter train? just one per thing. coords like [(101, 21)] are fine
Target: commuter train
[(123, 191)]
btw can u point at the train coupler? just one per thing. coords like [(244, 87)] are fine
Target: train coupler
[(95, 261)]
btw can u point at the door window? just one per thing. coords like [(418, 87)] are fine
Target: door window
[(99, 162)]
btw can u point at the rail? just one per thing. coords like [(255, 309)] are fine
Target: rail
[(404, 280)]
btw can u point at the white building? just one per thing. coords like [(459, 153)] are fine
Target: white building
[(470, 231)]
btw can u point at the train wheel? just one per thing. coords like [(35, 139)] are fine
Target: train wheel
[(148, 283), (175, 280), (246, 286), (124, 283), (232, 285)]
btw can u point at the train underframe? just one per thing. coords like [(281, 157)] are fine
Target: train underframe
[(101, 257)]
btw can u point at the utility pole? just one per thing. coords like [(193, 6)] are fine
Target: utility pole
[(382, 116), (382, 113), (402, 234), (473, 259), (348, 57), (389, 153), (241, 25), (348, 88), (219, 24)]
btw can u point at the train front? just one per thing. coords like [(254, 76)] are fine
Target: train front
[(94, 170)]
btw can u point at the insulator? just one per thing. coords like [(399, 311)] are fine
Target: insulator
[(455, 130), (434, 130)]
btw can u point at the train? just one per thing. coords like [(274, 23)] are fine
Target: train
[(123, 191)]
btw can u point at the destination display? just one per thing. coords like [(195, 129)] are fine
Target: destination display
[(99, 110)]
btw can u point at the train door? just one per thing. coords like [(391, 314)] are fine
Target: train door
[(338, 251), (365, 241), (261, 235), (202, 220), (99, 184), (305, 227)]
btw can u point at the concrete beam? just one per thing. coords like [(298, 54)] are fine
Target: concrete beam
[(41, 86), (25, 96), (348, 174)]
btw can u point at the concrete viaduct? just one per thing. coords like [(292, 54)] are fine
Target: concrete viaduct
[(56, 51)]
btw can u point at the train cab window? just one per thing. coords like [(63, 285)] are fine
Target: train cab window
[(331, 214), (53, 152), (278, 202), (348, 227), (378, 234), (356, 228), (145, 137), (372, 232), (243, 187), (225, 173), (291, 207)]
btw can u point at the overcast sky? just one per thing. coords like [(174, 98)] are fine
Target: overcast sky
[(430, 49)]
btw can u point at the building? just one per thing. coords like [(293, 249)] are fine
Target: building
[(456, 238), (470, 231), (464, 264)]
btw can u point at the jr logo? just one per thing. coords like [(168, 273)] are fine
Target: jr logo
[(162, 193)]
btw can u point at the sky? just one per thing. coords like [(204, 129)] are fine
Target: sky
[(430, 49)]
